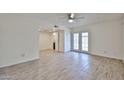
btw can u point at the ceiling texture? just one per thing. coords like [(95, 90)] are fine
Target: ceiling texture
[(48, 20)]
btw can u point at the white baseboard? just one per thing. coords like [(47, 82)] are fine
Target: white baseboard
[(99, 55), (107, 56), (19, 62)]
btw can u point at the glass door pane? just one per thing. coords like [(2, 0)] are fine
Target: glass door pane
[(76, 41), (84, 41)]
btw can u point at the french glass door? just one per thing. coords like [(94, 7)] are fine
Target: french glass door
[(80, 41), (84, 44), (76, 41)]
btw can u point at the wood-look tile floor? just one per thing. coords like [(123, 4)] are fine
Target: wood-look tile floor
[(69, 66)]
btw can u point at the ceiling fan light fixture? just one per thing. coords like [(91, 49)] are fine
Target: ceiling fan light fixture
[(72, 15), (70, 20)]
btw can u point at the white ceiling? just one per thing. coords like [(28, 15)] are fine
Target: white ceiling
[(48, 20)]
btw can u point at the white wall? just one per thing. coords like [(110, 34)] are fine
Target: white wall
[(105, 38), (61, 41), (123, 45), (18, 39), (44, 41), (123, 42), (123, 36), (64, 41)]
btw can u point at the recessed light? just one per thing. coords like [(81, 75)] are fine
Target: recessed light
[(54, 33)]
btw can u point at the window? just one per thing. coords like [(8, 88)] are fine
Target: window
[(84, 41), (76, 41)]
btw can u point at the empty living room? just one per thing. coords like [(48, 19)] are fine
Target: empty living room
[(61, 46)]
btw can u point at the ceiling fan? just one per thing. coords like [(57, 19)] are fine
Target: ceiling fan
[(72, 17)]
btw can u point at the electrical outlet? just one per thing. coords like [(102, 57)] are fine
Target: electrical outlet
[(23, 55), (104, 52)]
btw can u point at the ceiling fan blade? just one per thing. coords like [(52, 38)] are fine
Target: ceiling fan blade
[(80, 17)]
